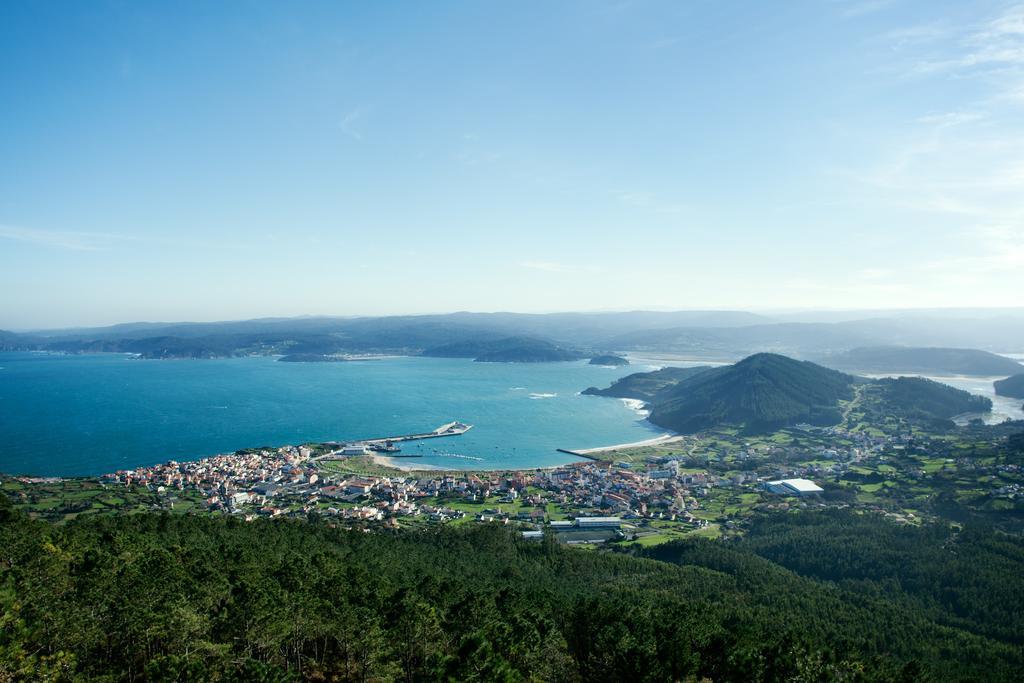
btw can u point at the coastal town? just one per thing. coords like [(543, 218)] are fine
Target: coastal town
[(650, 493), (606, 494)]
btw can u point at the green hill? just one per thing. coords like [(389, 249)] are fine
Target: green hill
[(762, 392), (917, 397), (646, 386), (957, 577), (1011, 386), (925, 361)]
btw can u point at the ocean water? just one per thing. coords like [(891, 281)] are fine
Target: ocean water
[(92, 414)]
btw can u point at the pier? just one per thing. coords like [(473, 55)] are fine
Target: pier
[(454, 428), (578, 454)]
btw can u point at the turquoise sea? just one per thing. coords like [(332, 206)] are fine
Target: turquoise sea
[(92, 414)]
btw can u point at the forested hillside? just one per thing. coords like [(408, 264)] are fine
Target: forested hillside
[(956, 577), (761, 392), (162, 597), (918, 397), (1012, 386)]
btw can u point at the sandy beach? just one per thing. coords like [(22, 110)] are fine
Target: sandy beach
[(656, 441), (403, 464)]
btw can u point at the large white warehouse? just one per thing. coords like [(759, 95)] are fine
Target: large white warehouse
[(793, 487)]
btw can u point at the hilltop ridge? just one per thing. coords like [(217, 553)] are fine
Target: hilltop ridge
[(924, 360)]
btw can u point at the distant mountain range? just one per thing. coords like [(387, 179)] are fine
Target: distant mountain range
[(326, 336), (715, 335), (925, 361), (768, 391), (1003, 333), (507, 350)]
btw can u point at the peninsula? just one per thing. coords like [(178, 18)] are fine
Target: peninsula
[(924, 360), (1013, 386)]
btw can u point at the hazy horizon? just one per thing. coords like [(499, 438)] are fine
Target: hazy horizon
[(771, 315), (221, 162)]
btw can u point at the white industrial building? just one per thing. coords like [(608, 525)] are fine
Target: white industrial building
[(793, 487), (598, 522)]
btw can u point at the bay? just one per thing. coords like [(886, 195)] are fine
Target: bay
[(96, 413)]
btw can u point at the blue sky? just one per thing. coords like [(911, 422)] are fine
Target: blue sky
[(201, 161)]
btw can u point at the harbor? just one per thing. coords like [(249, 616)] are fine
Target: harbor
[(454, 428), (386, 445)]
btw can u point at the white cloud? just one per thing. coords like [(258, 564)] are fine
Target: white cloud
[(964, 165), (72, 240), (914, 36), (996, 43), (950, 119), (348, 123), (60, 239), (1011, 23)]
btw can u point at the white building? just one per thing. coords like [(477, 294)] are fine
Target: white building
[(598, 522), (793, 487)]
